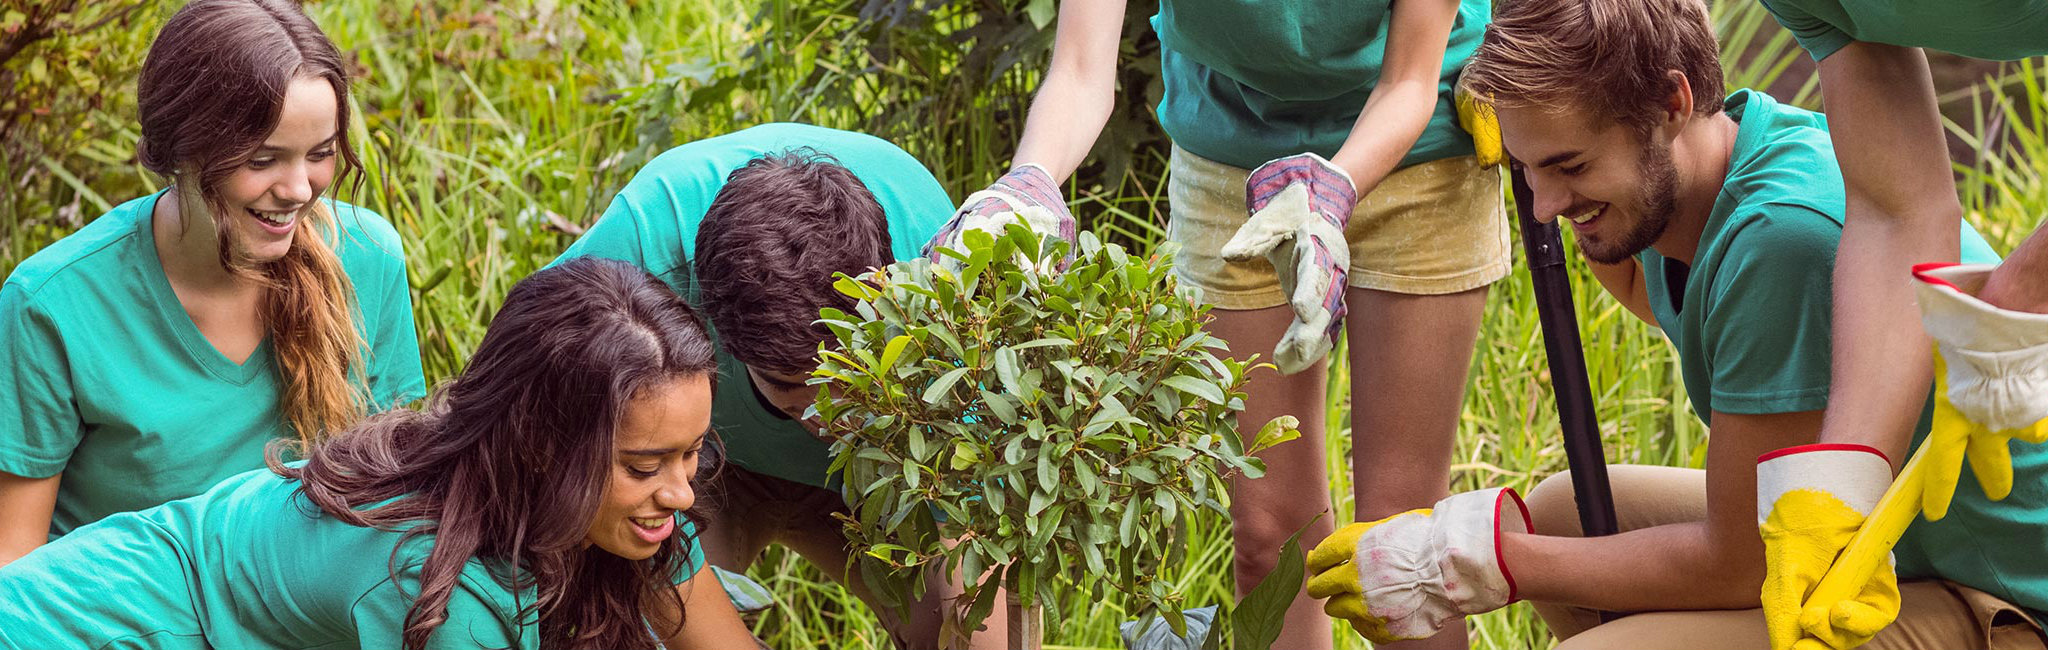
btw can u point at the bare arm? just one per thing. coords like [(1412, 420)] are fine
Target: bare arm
[(1401, 103), (1075, 99), (1902, 210), (26, 505), (1624, 281), (710, 620), (1660, 567), (2021, 283)]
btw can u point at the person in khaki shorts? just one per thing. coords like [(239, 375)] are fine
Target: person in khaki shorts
[(1321, 140), (1718, 222)]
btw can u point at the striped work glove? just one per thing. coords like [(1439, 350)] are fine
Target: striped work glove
[(1299, 206)]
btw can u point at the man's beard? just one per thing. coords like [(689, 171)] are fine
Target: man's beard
[(1652, 206)]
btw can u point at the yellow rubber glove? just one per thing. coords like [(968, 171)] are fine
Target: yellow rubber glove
[(1990, 383), (1406, 576), (1479, 120), (1810, 500)]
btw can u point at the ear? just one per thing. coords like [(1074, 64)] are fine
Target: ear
[(1678, 101)]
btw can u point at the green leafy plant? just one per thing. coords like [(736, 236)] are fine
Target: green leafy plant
[(1018, 428)]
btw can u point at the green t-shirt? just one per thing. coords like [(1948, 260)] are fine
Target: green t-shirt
[(2001, 30), (1752, 315), (653, 224), (108, 380), (1248, 81), (249, 564)]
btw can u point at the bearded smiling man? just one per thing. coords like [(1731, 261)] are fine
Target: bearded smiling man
[(1716, 220)]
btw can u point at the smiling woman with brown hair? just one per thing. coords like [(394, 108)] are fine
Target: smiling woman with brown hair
[(540, 500), (157, 350)]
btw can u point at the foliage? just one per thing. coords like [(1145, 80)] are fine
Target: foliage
[(70, 67), (1057, 425)]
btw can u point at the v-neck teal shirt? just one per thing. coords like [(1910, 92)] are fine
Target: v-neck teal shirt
[(1752, 320), (108, 381)]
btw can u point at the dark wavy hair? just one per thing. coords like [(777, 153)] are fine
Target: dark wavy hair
[(509, 460), (767, 249)]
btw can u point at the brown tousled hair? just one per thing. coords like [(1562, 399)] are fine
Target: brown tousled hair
[(767, 249), (211, 91), (1606, 56), (509, 462)]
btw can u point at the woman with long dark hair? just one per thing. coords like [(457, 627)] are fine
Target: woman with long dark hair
[(157, 350), (540, 499)]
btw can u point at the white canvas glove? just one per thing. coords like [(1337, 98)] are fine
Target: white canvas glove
[(1026, 194), (1991, 380), (1299, 206), (1406, 576)]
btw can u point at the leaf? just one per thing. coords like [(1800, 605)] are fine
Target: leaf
[(1256, 620), (1039, 343), (892, 352), (1278, 430), (1197, 387), (942, 386), (965, 456), (856, 289)]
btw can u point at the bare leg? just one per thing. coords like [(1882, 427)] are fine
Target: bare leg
[(1409, 359), (1267, 510)]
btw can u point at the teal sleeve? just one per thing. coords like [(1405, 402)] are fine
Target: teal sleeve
[(693, 544), (394, 364), (1974, 249), (39, 426), (473, 621), (1819, 38), (1767, 334), (616, 236)]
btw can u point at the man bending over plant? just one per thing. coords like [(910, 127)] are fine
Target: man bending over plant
[(750, 227), (1717, 221)]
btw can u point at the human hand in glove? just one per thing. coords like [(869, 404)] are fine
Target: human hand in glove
[(1990, 382), (1478, 119), (1810, 500), (1026, 194), (1406, 576), (1299, 206)]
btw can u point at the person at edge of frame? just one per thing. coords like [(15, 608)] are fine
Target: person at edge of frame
[(155, 351), (542, 499), (1320, 183), (1717, 221), (1990, 321), (751, 226)]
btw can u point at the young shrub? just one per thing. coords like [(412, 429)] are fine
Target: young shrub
[(1059, 426)]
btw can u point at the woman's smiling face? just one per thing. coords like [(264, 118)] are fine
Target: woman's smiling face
[(654, 457)]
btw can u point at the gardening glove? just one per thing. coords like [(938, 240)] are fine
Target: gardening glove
[(1810, 500), (1406, 576), (1990, 382), (1026, 194), (1299, 205), (1478, 119)]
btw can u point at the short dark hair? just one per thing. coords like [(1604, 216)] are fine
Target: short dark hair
[(767, 249)]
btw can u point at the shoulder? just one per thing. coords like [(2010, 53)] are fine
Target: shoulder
[(1790, 160), (91, 253), (362, 233), (1773, 243)]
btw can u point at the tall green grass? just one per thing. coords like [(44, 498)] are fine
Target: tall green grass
[(494, 130)]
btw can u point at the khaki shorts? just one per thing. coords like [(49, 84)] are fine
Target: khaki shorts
[(1429, 229), (1933, 614)]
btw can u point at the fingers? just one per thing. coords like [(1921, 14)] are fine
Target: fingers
[(2035, 434), (1337, 548), (1946, 442), (1335, 583), (1991, 460), (1256, 238)]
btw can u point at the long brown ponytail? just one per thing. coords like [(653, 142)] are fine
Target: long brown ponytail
[(211, 91)]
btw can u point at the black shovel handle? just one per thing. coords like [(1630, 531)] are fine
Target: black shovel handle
[(1567, 360)]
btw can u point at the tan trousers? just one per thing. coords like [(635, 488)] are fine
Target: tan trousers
[(1933, 614)]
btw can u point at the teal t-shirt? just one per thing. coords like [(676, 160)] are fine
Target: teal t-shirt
[(2000, 30), (249, 564), (108, 380), (652, 224), (1752, 321), (1248, 81)]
